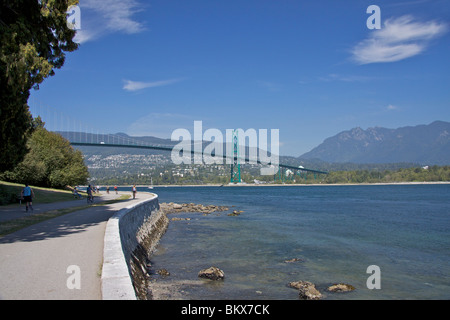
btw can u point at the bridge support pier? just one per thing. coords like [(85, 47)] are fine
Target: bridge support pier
[(235, 166)]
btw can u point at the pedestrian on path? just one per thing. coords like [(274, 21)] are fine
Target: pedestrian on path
[(27, 195), (134, 191)]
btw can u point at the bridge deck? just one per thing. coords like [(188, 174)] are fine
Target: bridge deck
[(193, 152)]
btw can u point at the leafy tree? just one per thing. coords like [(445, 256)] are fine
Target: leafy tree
[(34, 37), (51, 161)]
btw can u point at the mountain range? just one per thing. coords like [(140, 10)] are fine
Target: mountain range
[(422, 144), (416, 145)]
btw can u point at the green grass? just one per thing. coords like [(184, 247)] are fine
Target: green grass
[(9, 193), (11, 226)]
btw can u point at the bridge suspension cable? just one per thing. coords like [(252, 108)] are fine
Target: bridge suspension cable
[(81, 134)]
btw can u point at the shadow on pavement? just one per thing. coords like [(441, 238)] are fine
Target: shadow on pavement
[(70, 223)]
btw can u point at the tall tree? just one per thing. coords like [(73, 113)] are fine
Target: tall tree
[(34, 37), (50, 162)]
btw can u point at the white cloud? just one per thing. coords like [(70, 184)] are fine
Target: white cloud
[(398, 39), (100, 17), (344, 78), (82, 36), (138, 85), (391, 107)]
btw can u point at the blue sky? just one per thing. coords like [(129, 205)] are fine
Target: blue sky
[(308, 68)]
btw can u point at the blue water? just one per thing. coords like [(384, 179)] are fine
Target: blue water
[(335, 231)]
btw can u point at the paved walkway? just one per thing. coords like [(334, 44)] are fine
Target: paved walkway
[(34, 261), (15, 211)]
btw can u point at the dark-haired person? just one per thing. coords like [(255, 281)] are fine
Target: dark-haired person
[(28, 195)]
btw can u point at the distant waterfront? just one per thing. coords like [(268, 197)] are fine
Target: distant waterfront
[(335, 232), (146, 187), (215, 175)]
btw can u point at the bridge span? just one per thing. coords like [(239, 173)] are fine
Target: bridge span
[(241, 160)]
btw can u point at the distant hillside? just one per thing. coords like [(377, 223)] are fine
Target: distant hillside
[(422, 144)]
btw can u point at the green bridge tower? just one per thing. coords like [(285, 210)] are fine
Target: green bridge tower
[(235, 166)]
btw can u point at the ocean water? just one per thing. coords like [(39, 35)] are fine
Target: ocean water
[(336, 232)]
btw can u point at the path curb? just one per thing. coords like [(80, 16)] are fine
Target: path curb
[(116, 280)]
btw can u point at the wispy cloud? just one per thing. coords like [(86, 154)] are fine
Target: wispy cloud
[(100, 17), (398, 39), (344, 78), (130, 85), (391, 107)]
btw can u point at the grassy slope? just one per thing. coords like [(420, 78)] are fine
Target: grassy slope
[(10, 226), (41, 195)]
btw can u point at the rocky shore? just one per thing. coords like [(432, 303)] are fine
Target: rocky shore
[(190, 207), (306, 290)]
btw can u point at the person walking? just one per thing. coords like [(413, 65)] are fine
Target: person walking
[(28, 195), (75, 193), (134, 191)]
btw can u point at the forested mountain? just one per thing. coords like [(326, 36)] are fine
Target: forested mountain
[(422, 144), (375, 149)]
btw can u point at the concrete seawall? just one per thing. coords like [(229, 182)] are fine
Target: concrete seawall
[(130, 237)]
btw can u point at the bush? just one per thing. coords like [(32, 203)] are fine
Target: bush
[(8, 195), (51, 162)]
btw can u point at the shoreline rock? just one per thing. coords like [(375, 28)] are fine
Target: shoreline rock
[(190, 207), (235, 213), (293, 260), (306, 290), (180, 219), (341, 287), (163, 272), (212, 273)]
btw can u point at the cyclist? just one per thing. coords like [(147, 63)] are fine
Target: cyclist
[(90, 198)]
